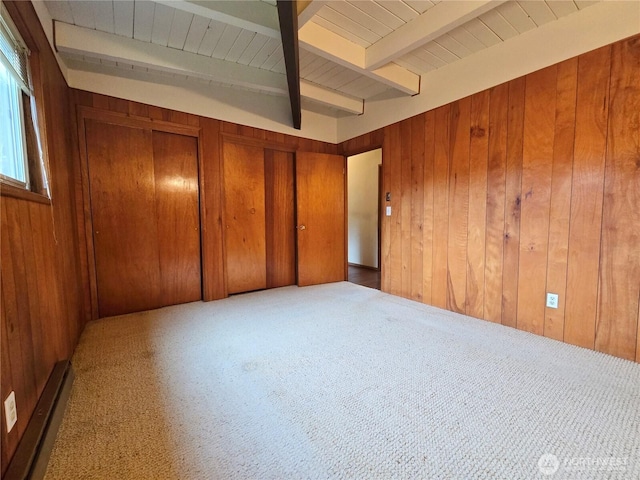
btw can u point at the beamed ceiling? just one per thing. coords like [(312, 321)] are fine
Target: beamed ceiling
[(363, 64), (351, 51)]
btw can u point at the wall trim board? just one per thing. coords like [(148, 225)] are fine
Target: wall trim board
[(233, 138), (127, 120), (268, 112), (32, 456), (593, 27)]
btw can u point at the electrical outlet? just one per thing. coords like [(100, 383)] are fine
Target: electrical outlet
[(552, 300), (10, 411)]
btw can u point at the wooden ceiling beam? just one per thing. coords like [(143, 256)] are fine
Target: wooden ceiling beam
[(330, 45), (74, 40), (260, 17), (288, 17), (425, 28)]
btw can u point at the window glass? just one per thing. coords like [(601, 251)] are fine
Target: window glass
[(12, 141)]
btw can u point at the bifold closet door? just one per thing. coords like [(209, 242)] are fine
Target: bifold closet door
[(320, 203), (244, 216), (143, 188)]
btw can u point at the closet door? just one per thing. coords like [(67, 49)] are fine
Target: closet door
[(320, 203), (175, 160), (244, 217), (144, 209)]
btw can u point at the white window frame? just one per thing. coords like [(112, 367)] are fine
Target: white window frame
[(22, 86)]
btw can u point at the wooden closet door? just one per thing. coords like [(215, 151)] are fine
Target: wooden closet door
[(175, 160), (125, 227), (244, 217), (320, 203), (144, 205)]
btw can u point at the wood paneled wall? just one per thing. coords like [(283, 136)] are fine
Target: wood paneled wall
[(211, 188), (42, 310), (530, 187)]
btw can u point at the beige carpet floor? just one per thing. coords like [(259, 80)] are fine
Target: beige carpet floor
[(340, 381)]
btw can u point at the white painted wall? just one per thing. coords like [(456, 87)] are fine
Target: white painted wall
[(362, 177)]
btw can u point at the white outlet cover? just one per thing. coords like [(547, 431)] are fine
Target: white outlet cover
[(552, 300), (10, 411), (388, 211)]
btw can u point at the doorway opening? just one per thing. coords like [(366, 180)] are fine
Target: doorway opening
[(364, 190)]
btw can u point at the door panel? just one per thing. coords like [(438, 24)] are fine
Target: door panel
[(320, 195), (280, 218), (125, 229), (244, 216), (175, 159)]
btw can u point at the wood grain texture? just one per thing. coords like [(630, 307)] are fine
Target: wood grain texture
[(560, 162), (458, 205), (320, 204), (244, 218), (175, 161), (417, 166), (476, 224), (495, 208), (440, 207), (619, 280), (560, 209), (42, 295), (125, 226), (280, 218), (428, 206), (586, 197), (392, 252), (537, 165), (513, 198), (211, 210), (405, 208)]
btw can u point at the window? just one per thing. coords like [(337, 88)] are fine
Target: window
[(20, 153)]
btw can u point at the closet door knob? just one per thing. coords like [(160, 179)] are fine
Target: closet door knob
[(301, 227)]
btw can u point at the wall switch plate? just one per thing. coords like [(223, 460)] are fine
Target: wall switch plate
[(552, 300), (388, 211), (10, 411)]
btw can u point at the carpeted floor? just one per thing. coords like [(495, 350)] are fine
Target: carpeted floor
[(340, 381)]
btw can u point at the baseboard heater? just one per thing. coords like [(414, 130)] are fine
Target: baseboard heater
[(32, 455)]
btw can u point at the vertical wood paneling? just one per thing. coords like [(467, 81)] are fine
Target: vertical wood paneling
[(513, 189), (586, 197), (428, 211), (211, 207), (440, 207), (537, 192), (619, 290), (42, 295), (496, 172), (405, 206), (280, 218), (458, 205), (537, 165), (392, 168), (417, 205), (476, 227), (561, 195)]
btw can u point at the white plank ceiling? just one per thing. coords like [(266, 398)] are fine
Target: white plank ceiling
[(351, 51)]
